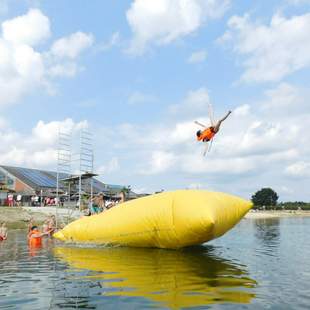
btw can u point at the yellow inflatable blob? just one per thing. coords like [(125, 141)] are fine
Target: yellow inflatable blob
[(174, 279), (166, 220)]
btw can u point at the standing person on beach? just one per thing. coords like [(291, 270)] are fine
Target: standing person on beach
[(3, 232), (19, 200), (11, 200)]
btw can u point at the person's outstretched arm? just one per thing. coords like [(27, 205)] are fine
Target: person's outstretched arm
[(202, 125), (218, 124)]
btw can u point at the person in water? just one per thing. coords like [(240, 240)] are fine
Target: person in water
[(51, 225), (3, 232), (30, 224), (35, 236), (209, 132)]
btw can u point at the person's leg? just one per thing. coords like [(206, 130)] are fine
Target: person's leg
[(218, 124)]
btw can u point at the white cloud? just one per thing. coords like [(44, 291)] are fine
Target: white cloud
[(30, 29), (197, 57), (68, 69), (285, 190), (44, 158), (195, 102), (271, 51), (37, 149), (13, 156), (260, 135), (242, 110), (47, 133), (182, 132), (63, 53), (160, 162), (254, 147), (72, 45), (286, 99), (283, 96), (299, 169), (3, 123), (109, 167), (163, 21), (21, 69), (24, 69), (197, 164), (113, 41)]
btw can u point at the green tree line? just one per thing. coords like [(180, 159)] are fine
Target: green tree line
[(266, 198)]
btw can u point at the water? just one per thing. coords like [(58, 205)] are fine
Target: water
[(260, 264)]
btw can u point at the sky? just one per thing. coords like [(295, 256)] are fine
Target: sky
[(138, 73)]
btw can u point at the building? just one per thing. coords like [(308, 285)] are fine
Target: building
[(42, 183)]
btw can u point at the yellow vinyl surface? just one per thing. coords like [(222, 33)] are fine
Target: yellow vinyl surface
[(166, 220)]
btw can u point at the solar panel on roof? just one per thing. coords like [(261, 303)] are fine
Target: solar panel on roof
[(41, 178), (37, 177), (54, 174), (115, 186)]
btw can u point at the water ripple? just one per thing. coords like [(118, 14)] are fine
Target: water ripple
[(253, 266)]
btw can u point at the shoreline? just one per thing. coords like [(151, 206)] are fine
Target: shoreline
[(276, 214), (18, 217)]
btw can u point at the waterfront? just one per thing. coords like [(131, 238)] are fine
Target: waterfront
[(261, 262)]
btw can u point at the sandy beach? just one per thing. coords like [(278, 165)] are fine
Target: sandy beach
[(269, 214)]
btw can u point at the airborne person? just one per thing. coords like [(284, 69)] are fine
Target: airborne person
[(208, 133)]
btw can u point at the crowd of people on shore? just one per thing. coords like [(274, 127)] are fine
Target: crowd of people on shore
[(14, 201), (34, 201), (96, 205)]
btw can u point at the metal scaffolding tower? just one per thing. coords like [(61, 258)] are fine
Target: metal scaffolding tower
[(86, 160), (64, 157)]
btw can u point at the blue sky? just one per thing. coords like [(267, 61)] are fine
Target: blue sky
[(139, 73)]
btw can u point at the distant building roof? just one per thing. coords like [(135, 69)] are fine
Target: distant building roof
[(43, 179), (33, 177)]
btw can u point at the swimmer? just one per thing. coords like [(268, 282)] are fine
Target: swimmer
[(3, 232)]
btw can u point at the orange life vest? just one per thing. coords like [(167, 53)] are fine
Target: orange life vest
[(207, 134), (34, 241)]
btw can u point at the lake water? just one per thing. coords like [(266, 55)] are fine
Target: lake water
[(260, 264)]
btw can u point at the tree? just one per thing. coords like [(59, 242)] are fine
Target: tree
[(265, 197)]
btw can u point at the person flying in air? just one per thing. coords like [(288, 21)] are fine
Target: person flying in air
[(208, 133)]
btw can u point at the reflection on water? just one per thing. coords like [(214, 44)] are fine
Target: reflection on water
[(192, 277), (267, 232), (274, 252)]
